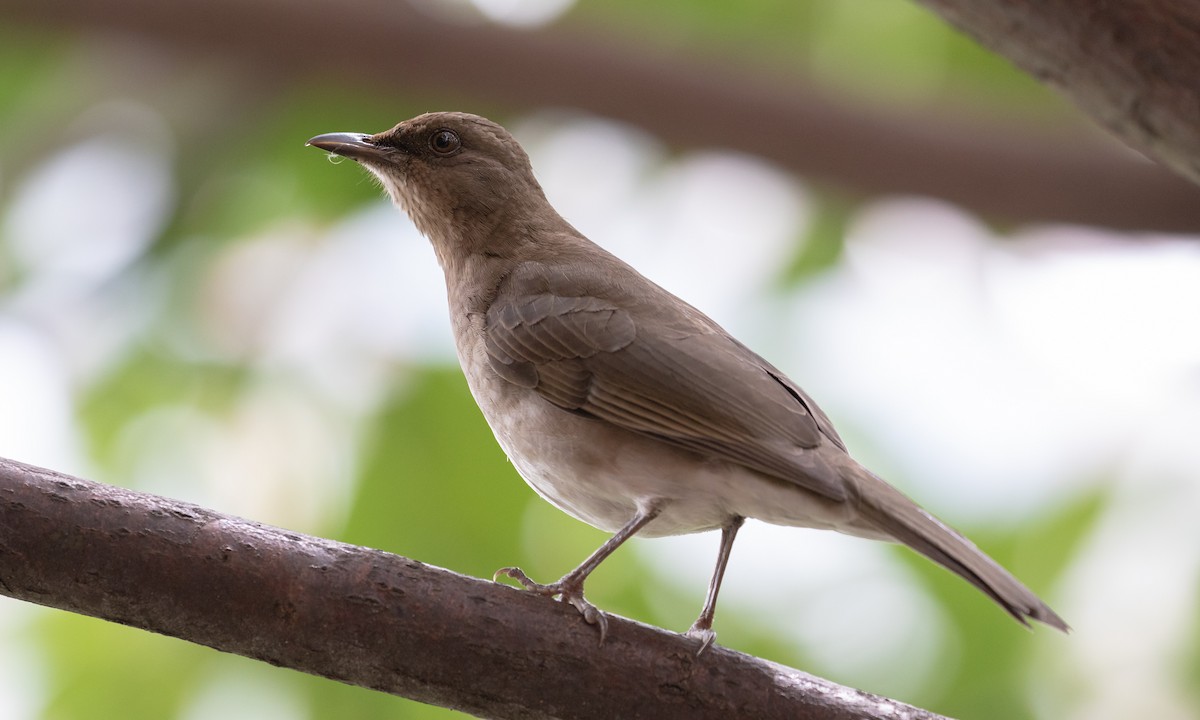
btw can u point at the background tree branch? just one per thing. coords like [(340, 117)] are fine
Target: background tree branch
[(1133, 65), (999, 171), (370, 618)]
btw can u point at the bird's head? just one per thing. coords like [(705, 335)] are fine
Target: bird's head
[(458, 176)]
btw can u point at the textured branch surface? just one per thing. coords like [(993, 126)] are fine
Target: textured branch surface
[(388, 48), (373, 619), (1134, 65)]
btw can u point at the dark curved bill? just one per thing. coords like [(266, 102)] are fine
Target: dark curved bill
[(351, 145)]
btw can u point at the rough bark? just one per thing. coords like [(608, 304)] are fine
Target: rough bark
[(369, 618), (389, 48), (1133, 65)]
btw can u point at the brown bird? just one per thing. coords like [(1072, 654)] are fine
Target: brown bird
[(618, 402)]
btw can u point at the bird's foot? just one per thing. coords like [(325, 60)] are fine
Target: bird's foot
[(566, 590), (704, 634)]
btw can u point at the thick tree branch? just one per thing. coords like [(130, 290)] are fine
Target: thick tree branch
[(373, 619), (1133, 65), (387, 47)]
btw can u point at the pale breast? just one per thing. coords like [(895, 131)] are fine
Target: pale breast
[(601, 474)]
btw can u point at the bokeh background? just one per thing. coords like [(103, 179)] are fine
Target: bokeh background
[(194, 304)]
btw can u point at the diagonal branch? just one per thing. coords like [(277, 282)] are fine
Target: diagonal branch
[(1132, 65), (388, 48), (372, 619)]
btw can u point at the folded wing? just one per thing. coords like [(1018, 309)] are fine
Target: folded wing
[(658, 369)]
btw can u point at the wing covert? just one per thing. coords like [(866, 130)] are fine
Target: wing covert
[(673, 376)]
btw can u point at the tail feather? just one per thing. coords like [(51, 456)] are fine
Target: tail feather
[(891, 511)]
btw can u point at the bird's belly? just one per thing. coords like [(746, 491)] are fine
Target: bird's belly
[(601, 473)]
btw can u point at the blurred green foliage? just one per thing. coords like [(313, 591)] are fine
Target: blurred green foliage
[(434, 484), (890, 52), (986, 664), (821, 247)]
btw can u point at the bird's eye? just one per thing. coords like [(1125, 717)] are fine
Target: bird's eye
[(444, 142)]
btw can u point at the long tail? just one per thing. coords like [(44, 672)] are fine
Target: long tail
[(892, 512)]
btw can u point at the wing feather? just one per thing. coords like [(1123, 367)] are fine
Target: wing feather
[(658, 369)]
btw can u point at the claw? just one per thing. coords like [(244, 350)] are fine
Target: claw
[(704, 635), (592, 615), (566, 591)]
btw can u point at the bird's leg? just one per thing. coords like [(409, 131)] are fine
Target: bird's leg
[(569, 588), (702, 629)]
